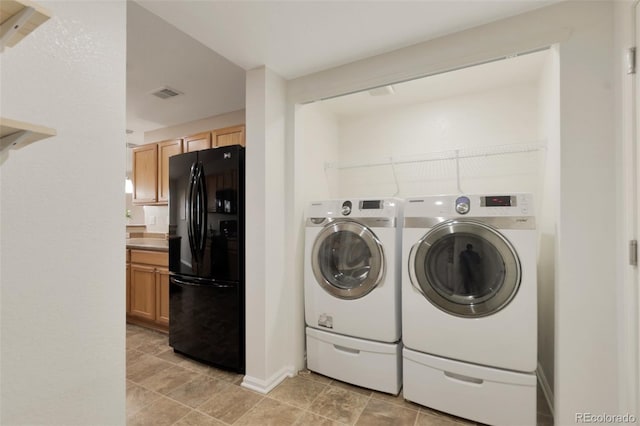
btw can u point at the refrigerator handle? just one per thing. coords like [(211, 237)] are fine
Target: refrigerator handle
[(189, 283), (189, 208), (202, 209)]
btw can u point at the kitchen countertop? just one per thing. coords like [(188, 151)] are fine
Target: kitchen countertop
[(155, 244)]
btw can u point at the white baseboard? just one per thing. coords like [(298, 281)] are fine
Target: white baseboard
[(265, 386), (546, 389)]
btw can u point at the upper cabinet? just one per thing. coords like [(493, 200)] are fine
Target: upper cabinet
[(228, 136), (166, 149), (151, 161), (220, 137), (145, 174), (197, 142), (151, 171)]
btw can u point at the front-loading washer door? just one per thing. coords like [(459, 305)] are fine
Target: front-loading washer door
[(347, 259), (465, 268)]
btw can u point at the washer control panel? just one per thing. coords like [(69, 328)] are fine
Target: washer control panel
[(355, 208)]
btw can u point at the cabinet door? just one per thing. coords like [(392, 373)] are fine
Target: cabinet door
[(145, 174), (143, 291), (165, 150), (228, 136), (162, 296), (128, 288), (197, 142)]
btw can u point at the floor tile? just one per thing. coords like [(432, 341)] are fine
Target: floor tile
[(312, 419), (133, 355), (397, 400), (162, 412), (381, 413), (310, 375), (195, 418), (227, 376), (352, 388), (168, 379), (339, 404), (146, 366), (138, 398), (297, 391), (230, 404), (270, 412), (197, 391), (428, 419)]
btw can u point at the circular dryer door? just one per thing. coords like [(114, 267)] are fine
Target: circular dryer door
[(465, 268), (347, 259)]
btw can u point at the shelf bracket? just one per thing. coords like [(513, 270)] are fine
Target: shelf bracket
[(11, 26), (9, 141)]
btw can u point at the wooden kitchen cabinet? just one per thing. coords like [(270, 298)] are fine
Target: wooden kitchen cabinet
[(197, 142), (149, 289), (145, 174), (151, 171), (162, 297), (228, 136), (166, 149), (128, 280)]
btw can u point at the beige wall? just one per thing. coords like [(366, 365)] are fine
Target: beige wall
[(196, 126)]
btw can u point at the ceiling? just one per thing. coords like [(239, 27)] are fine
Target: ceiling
[(203, 48), (517, 70)]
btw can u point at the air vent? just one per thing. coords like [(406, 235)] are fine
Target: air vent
[(166, 93)]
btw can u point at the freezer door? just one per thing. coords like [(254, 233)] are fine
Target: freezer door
[(207, 321)]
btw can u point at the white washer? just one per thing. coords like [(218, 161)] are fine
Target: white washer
[(352, 291), (469, 306)]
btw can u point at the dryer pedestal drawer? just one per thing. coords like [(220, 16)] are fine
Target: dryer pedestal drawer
[(366, 363), (484, 394)]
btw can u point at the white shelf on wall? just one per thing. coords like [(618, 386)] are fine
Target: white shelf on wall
[(13, 132), (441, 162), (18, 18), (454, 154)]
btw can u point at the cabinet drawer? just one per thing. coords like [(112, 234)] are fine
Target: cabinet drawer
[(157, 258)]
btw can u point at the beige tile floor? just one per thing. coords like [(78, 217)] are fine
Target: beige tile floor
[(164, 388)]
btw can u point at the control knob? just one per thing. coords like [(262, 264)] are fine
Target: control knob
[(463, 205)]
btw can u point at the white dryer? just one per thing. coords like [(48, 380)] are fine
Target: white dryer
[(469, 306), (352, 291)]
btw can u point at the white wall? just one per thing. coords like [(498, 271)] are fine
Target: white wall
[(62, 222), (270, 298), (319, 135), (626, 114), (470, 123), (586, 359), (547, 215)]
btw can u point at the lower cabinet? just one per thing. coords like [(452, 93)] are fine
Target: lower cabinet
[(149, 289)]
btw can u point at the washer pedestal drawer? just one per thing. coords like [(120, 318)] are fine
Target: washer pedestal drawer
[(366, 363), (484, 394)]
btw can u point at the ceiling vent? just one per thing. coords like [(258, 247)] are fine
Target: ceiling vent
[(166, 93)]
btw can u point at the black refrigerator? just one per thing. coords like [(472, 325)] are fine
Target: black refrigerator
[(206, 256)]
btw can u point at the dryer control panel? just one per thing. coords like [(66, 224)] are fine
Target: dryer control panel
[(450, 206)]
